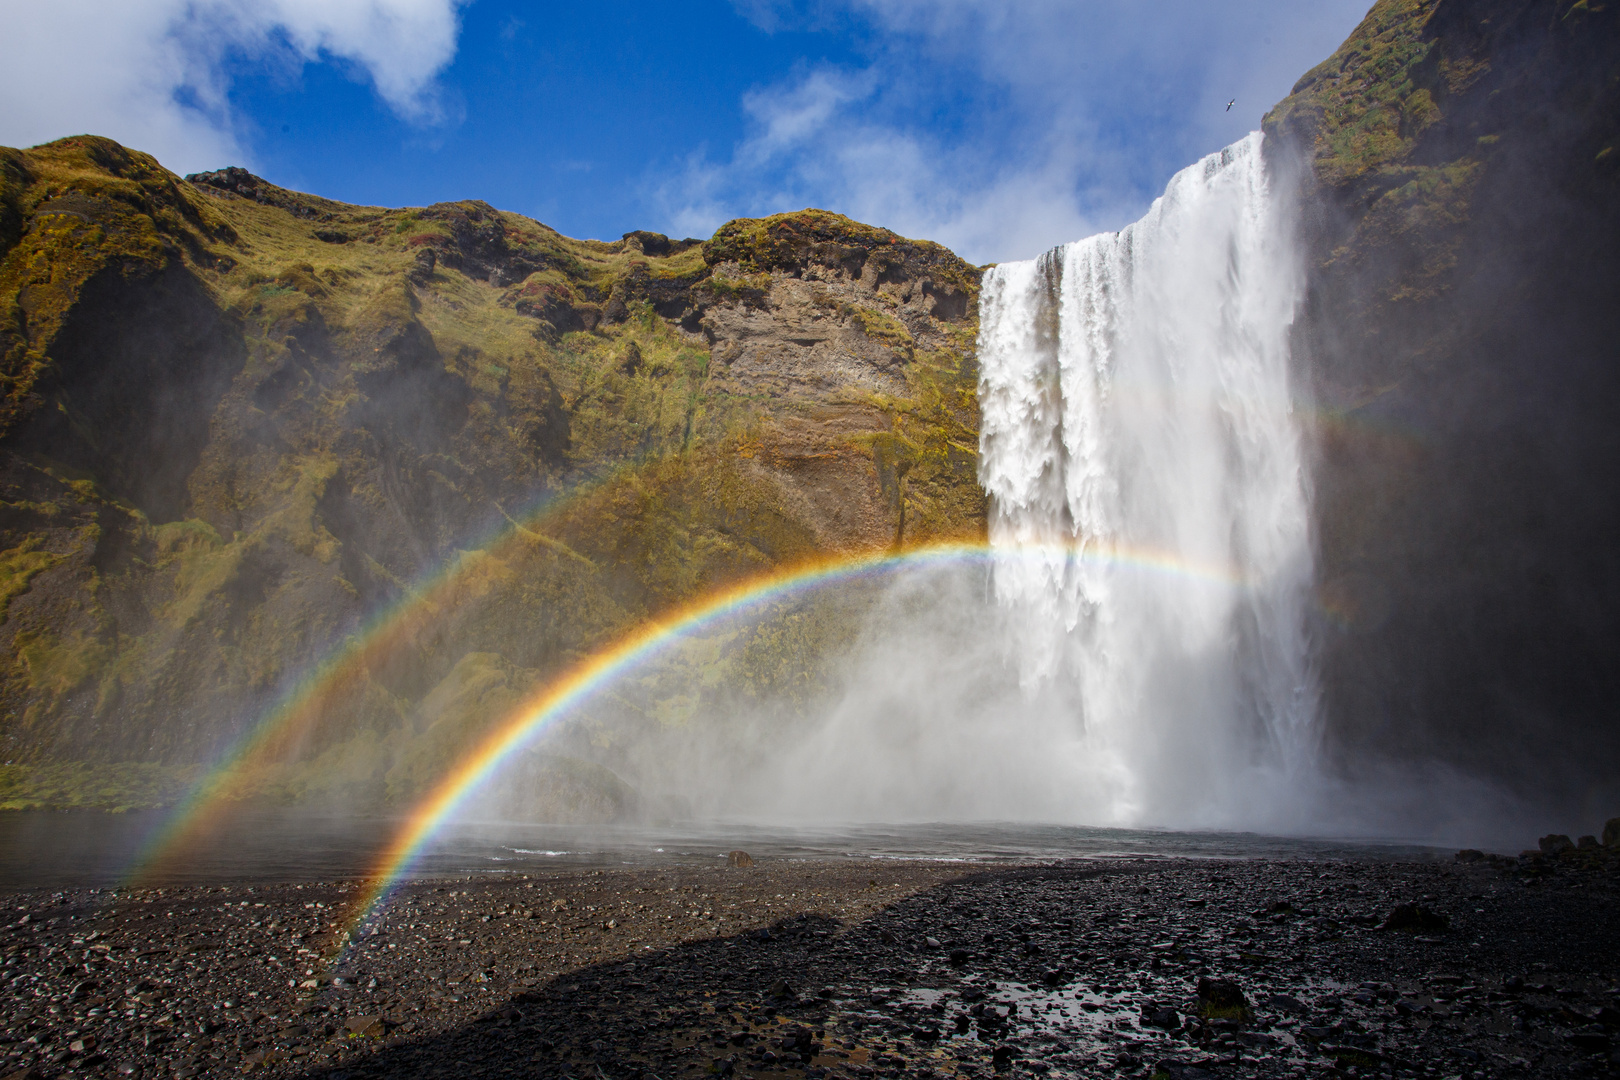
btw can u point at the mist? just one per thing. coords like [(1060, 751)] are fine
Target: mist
[(1141, 651)]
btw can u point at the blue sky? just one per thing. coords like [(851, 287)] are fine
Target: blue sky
[(998, 128)]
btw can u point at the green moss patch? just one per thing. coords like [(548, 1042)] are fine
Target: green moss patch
[(84, 785)]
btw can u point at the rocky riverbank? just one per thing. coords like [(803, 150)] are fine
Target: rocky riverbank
[(1173, 969)]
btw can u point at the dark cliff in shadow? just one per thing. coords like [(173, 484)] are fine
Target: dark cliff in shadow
[(1462, 338)]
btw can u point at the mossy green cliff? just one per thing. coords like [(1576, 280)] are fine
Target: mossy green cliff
[(239, 421)]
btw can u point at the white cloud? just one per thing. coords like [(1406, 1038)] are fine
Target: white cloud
[(788, 114), (1002, 129), (155, 74)]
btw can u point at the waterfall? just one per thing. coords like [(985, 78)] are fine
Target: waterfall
[(1142, 454)]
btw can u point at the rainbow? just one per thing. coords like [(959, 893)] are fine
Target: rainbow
[(295, 715), (574, 686)]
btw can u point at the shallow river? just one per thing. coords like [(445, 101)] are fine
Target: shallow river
[(60, 850)]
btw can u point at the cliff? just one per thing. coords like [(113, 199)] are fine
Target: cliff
[(1462, 204), (241, 426), (238, 422)]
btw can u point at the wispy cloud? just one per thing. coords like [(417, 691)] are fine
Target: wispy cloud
[(156, 74), (1001, 129)]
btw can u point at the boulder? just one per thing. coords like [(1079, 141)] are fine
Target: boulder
[(1555, 844), (1611, 832), (1414, 917), (1222, 999)]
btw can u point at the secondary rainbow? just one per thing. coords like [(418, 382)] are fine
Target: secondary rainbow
[(293, 717)]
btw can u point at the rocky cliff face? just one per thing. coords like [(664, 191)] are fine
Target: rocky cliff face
[(1463, 199), (239, 421)]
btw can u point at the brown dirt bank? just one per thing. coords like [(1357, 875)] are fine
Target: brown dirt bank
[(832, 969)]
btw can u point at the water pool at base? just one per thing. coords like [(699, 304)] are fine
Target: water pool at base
[(78, 850)]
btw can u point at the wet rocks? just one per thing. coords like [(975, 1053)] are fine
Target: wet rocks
[(682, 990)]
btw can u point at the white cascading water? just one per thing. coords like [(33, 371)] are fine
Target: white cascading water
[(1143, 458)]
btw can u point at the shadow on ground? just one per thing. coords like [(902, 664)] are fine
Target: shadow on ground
[(807, 996)]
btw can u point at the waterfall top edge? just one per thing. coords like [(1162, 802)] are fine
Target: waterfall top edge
[(1245, 149)]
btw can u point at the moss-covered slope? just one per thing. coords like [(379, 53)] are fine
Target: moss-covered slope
[(239, 421)]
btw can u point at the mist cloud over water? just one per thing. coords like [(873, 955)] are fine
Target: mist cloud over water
[(1141, 656)]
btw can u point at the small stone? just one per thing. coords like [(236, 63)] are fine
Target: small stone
[(367, 1027), (84, 1045), (959, 957), (1414, 917), (1165, 1018), (781, 991), (933, 942), (739, 858), (1592, 1042)]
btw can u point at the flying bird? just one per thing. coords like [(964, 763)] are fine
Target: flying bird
[(1231, 103)]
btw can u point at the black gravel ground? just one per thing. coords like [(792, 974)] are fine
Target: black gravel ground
[(1171, 969)]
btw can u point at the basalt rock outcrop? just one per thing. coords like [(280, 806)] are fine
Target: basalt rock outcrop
[(1462, 208), (238, 421)]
